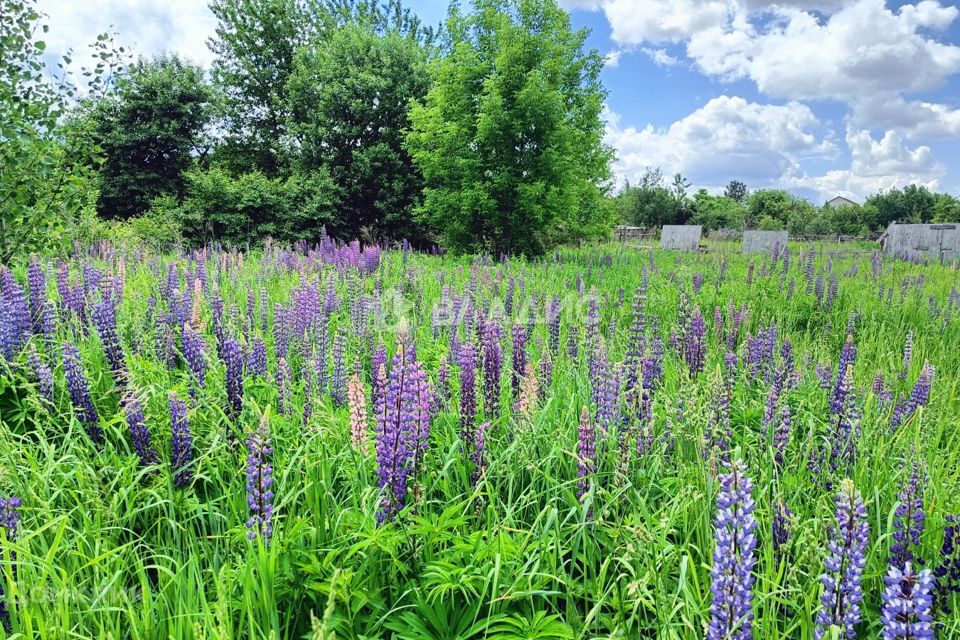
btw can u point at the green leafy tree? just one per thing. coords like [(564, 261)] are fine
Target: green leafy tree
[(946, 208), (736, 191), (678, 189), (775, 204), (349, 105), (509, 136), (255, 45), (250, 207), (716, 212), (47, 155), (647, 204), (915, 203), (150, 130)]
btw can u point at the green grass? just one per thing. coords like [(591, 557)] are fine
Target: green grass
[(108, 550)]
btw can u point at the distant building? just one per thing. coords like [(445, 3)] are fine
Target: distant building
[(840, 201)]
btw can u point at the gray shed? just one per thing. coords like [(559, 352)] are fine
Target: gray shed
[(764, 241), (681, 237), (922, 241)]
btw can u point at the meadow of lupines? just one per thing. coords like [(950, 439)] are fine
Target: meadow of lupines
[(608, 442)]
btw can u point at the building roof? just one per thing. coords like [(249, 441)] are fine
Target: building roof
[(840, 201)]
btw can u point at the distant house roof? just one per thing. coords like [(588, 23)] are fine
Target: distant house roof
[(840, 201)]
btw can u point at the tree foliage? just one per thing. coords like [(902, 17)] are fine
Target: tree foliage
[(252, 206), (46, 157), (647, 204), (349, 103), (150, 131), (255, 45), (509, 136)]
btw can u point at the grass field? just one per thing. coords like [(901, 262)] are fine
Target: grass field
[(580, 500)]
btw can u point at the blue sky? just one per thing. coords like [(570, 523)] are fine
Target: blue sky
[(822, 97)]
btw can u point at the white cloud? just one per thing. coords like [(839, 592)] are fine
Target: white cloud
[(145, 27), (641, 21), (862, 49), (799, 49), (766, 146), (661, 57), (726, 138), (875, 165), (912, 118)]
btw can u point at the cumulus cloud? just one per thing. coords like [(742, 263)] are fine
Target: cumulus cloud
[(876, 164), (146, 27), (727, 137), (798, 49), (912, 118), (863, 48), (661, 57)]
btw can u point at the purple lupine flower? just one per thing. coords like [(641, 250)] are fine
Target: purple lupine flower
[(586, 453), (10, 516), (257, 359), (181, 444), (216, 309), (37, 283), (519, 358), (403, 420), (908, 523), (920, 395), (139, 433), (907, 604), (15, 323), (194, 353), (842, 591), (42, 374), (508, 297), (907, 355), (781, 437), (259, 483), (781, 530), (832, 289), (846, 429), (80, 392), (468, 397), (338, 381), (284, 390), (947, 572), (281, 334), (331, 302), (573, 338), (697, 282), (479, 454), (48, 322), (233, 362), (695, 345), (637, 343), (553, 324), (546, 371), (443, 380), (720, 433), (607, 393), (732, 579), (492, 366), (848, 357), (9, 522)]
